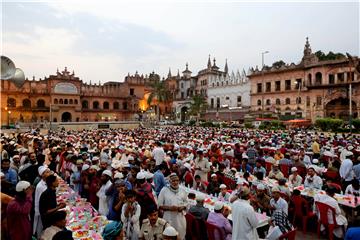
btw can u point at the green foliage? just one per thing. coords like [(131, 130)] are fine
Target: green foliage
[(159, 92), (198, 105), (356, 124), (224, 125), (192, 122), (279, 63), (330, 56), (329, 124), (248, 125)]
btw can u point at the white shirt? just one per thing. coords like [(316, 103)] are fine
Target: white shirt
[(315, 183), (280, 204), (50, 232), (295, 181), (40, 188), (103, 199), (350, 191), (345, 171), (159, 155), (244, 221)]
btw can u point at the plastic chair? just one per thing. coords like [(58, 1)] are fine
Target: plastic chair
[(302, 172), (335, 185), (212, 230), (333, 175), (324, 220), (268, 166), (289, 235), (284, 168), (285, 196), (230, 184), (192, 227), (301, 211)]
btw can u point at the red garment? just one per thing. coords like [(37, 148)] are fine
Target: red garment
[(188, 178), (94, 188), (19, 225)]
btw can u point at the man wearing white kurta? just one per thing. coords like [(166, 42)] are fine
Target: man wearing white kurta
[(346, 171), (340, 218), (103, 199), (202, 166), (44, 172), (158, 154), (173, 201), (244, 218)]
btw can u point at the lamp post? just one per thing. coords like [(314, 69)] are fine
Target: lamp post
[(262, 83), (298, 82), (50, 115)]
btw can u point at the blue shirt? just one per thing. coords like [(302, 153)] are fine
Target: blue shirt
[(159, 181), (356, 169), (11, 176), (352, 233)]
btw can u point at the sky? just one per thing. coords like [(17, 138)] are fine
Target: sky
[(105, 40)]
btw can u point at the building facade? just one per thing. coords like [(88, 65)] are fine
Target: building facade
[(310, 89), (63, 97)]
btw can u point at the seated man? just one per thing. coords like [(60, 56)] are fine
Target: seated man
[(277, 202), (312, 180), (199, 211), (275, 172), (295, 179), (217, 218), (261, 200), (329, 199), (214, 187), (153, 226), (224, 194), (199, 185)]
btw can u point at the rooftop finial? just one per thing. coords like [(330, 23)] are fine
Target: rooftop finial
[(209, 62), (226, 66), (169, 74)]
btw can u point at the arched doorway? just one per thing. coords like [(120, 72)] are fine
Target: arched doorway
[(184, 113), (66, 117), (339, 108)]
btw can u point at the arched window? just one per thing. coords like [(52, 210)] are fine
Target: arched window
[(11, 102), (259, 102), (318, 78), (309, 78), (26, 103), (96, 105), (61, 101), (287, 101), (75, 101), (115, 105), (66, 101), (278, 102), (40, 103), (298, 100), (85, 104), (56, 101), (71, 101), (268, 102), (106, 105)]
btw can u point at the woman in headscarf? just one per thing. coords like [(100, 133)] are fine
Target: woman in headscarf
[(113, 231), (279, 225)]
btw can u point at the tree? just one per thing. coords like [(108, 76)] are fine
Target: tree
[(278, 64), (159, 92), (198, 105), (330, 56)]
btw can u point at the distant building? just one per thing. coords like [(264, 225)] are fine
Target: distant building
[(309, 89), (63, 97)]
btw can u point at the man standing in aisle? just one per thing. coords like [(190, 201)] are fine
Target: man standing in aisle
[(244, 218), (173, 200), (202, 166)]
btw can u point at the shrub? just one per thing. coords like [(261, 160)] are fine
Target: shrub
[(192, 122), (329, 124), (356, 124), (248, 125)]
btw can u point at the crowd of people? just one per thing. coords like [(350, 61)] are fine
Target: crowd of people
[(146, 181)]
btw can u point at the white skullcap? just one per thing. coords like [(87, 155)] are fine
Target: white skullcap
[(218, 205), (22, 185), (315, 161), (41, 170), (170, 232), (85, 167), (108, 173), (275, 189), (140, 175), (242, 181), (130, 158), (222, 186), (294, 169), (350, 147), (16, 156), (213, 175), (260, 186), (149, 175), (347, 154), (95, 159), (95, 167), (200, 197), (118, 175)]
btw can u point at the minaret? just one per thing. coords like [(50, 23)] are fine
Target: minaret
[(209, 63), (226, 67), (307, 48), (169, 74), (178, 74), (308, 57)]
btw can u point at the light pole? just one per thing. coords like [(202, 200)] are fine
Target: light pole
[(262, 83), (350, 103), (298, 82), (50, 115)]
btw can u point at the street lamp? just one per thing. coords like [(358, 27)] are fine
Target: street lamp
[(262, 83), (298, 83)]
